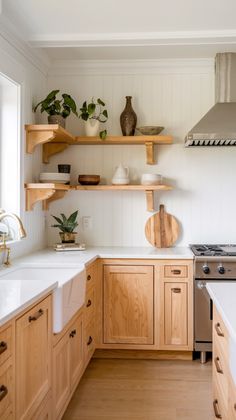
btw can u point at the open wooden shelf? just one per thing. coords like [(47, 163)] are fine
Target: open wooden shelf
[(50, 192), (45, 193), (55, 139)]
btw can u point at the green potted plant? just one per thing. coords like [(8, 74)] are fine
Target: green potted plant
[(57, 109), (93, 114), (67, 227)]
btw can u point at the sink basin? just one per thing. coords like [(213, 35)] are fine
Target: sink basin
[(68, 297)]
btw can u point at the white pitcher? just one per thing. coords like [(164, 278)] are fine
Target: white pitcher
[(121, 175)]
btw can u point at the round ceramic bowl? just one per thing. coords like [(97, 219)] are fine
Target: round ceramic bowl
[(151, 179), (55, 177), (150, 130), (89, 179)]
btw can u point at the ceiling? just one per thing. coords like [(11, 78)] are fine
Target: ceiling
[(111, 29)]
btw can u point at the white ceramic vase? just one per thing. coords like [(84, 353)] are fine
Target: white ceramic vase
[(92, 127)]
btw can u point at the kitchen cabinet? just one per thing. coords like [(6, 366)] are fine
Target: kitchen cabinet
[(175, 306), (33, 358), (45, 410), (224, 389), (90, 312), (7, 379), (128, 305), (68, 363)]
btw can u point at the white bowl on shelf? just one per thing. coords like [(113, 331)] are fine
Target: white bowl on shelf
[(151, 179), (54, 177)]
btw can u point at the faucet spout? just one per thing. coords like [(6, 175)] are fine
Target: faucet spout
[(22, 231)]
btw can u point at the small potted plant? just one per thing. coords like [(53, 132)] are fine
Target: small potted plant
[(93, 114), (57, 109), (67, 227)]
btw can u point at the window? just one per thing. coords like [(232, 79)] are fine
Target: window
[(9, 145)]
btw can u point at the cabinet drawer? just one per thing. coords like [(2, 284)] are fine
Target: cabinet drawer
[(221, 372), (90, 306), (220, 333), (219, 407), (89, 344), (6, 338), (91, 272), (177, 271), (6, 387)]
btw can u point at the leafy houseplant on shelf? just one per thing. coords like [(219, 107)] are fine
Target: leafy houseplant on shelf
[(93, 114), (67, 227), (57, 109)]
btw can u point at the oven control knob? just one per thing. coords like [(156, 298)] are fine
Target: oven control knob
[(221, 269), (206, 269)]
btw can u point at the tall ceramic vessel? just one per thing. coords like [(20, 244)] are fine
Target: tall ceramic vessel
[(128, 119)]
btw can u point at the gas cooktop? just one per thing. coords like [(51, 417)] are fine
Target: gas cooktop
[(214, 250)]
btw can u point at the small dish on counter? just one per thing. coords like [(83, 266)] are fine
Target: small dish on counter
[(150, 130), (89, 179), (54, 177), (151, 179)]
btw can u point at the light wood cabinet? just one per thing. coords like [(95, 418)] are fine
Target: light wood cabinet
[(175, 306), (7, 377), (224, 389), (128, 304), (45, 410), (33, 358), (68, 364)]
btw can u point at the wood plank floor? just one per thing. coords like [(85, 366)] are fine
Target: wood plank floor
[(116, 389)]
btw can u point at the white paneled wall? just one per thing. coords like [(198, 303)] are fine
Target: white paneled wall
[(171, 93)]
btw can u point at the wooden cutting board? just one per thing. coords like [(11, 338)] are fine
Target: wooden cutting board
[(162, 229)]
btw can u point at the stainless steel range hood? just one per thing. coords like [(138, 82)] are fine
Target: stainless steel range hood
[(218, 126)]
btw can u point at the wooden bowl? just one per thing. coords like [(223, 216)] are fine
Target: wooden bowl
[(89, 179), (150, 130)]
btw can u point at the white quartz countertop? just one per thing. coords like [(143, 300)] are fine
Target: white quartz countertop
[(16, 295), (223, 295)]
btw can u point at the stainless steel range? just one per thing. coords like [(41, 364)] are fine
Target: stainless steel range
[(212, 263)]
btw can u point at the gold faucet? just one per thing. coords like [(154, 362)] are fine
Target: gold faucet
[(22, 233)]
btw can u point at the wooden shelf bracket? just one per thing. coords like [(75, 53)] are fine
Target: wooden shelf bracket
[(33, 138), (150, 200), (56, 196), (150, 153), (50, 149)]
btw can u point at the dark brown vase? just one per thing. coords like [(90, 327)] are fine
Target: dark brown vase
[(128, 119)]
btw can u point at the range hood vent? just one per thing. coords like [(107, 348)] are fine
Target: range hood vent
[(218, 126)]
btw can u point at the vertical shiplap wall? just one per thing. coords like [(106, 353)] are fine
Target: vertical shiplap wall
[(172, 93)]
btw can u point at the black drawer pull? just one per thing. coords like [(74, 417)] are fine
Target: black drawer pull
[(3, 392), (176, 290), (88, 277), (89, 340), (219, 330), (217, 365), (89, 303), (176, 272), (216, 410), (3, 347), (73, 333), (36, 316)]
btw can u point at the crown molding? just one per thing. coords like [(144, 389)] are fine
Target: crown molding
[(37, 58), (134, 39), (105, 67)]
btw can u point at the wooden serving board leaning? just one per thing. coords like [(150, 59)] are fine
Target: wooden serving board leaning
[(162, 229)]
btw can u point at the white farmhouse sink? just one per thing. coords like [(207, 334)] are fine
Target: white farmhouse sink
[(68, 297)]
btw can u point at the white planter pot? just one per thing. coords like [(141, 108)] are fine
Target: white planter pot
[(92, 127)]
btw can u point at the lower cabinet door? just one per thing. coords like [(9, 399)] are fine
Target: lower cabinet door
[(6, 388), (61, 374), (45, 410), (128, 304), (76, 351), (174, 315), (33, 358)]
